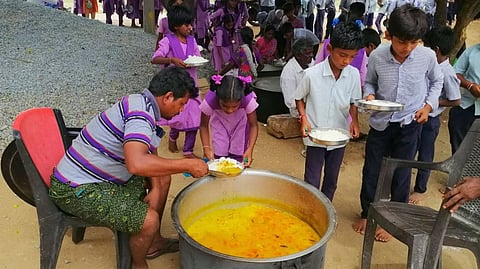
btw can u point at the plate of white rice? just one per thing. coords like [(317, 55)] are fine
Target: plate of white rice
[(329, 136)]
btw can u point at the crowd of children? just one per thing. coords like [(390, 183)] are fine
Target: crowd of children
[(320, 93)]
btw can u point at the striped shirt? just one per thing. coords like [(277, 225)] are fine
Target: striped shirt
[(406, 83), (97, 155)]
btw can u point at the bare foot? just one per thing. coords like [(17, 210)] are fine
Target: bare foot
[(415, 198), (172, 146), (360, 226), (382, 236)]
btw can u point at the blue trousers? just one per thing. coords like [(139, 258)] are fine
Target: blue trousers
[(397, 142), (319, 23), (190, 137), (426, 151), (314, 162), (459, 122), (330, 17)]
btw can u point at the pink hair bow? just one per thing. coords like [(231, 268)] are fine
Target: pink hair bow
[(247, 79), (217, 79)]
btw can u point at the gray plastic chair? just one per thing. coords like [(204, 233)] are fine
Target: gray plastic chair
[(41, 139), (425, 230)]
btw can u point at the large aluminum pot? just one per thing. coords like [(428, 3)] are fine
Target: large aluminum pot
[(293, 194), (269, 97)]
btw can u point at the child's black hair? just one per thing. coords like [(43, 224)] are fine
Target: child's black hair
[(173, 79), (347, 36), (170, 4), (371, 36), (230, 88), (286, 27), (227, 18), (356, 11), (269, 27), (441, 37), (287, 7), (279, 3), (178, 16), (407, 23), (246, 33)]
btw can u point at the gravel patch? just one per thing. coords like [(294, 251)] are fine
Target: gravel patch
[(56, 59)]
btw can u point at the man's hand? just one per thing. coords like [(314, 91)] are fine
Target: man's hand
[(467, 189), (197, 167), (152, 198)]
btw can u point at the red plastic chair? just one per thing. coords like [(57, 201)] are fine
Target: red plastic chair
[(41, 139)]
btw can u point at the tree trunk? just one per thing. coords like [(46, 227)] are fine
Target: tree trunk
[(466, 12)]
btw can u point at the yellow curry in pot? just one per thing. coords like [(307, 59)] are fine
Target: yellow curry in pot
[(251, 230)]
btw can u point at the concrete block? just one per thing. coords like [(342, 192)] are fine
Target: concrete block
[(283, 126)]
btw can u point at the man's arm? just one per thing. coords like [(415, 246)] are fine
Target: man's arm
[(140, 162)]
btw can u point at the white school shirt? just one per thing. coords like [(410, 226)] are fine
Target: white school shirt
[(291, 76), (451, 86), (327, 100)]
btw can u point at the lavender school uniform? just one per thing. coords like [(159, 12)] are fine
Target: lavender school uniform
[(170, 46), (163, 27), (229, 131), (226, 42), (201, 19)]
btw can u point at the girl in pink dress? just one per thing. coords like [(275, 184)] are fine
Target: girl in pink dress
[(223, 43), (229, 122), (267, 45), (173, 49)]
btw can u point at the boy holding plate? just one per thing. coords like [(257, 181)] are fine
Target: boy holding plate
[(405, 73), (324, 98)]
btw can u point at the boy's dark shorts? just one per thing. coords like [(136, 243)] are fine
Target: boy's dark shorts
[(120, 207)]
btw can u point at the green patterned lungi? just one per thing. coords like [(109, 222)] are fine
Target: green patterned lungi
[(120, 207)]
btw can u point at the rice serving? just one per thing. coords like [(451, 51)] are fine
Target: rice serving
[(225, 165), (192, 59), (328, 135)]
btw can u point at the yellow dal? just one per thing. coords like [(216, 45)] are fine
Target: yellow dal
[(228, 167), (252, 231)]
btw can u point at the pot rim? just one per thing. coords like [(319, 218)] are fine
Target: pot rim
[(328, 233)]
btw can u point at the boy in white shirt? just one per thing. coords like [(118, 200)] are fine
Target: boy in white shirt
[(325, 98)]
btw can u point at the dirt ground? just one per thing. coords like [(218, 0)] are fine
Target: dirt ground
[(19, 228)]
